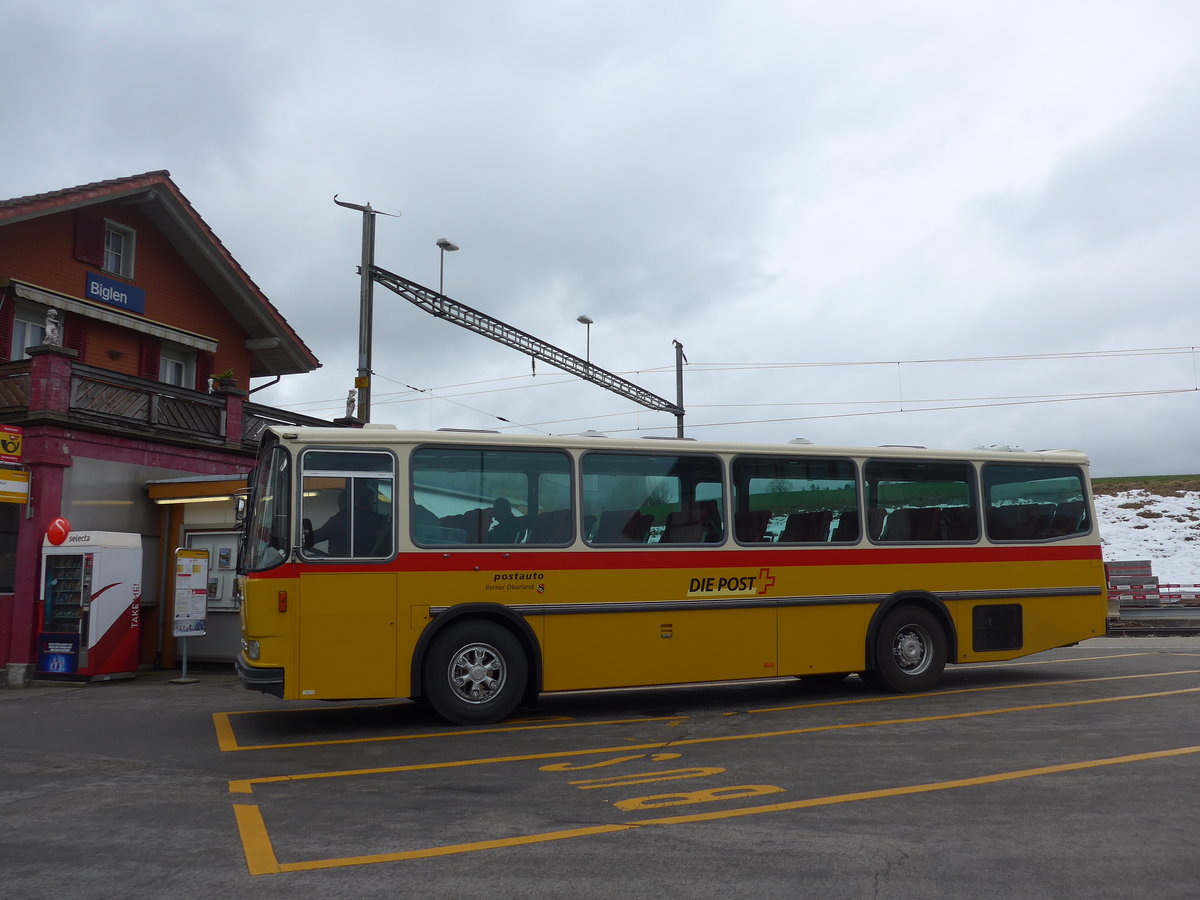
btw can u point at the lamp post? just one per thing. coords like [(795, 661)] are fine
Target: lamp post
[(586, 322), (446, 247)]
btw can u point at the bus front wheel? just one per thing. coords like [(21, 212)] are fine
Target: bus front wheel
[(474, 673), (910, 651)]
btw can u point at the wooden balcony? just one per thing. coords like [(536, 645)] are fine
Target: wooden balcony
[(52, 388)]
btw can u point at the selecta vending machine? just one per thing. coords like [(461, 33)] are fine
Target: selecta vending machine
[(89, 607)]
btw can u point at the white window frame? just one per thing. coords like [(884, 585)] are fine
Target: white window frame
[(118, 261), (28, 318), (176, 360)]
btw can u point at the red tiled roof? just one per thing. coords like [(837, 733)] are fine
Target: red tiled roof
[(34, 205), (95, 191)]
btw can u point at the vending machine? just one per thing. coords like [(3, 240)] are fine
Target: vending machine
[(89, 607)]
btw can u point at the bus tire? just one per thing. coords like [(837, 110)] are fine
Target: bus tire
[(910, 651), (474, 673)]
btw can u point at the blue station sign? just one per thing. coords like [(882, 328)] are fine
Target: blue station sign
[(115, 293)]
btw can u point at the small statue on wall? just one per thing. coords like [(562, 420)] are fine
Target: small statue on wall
[(53, 328), (351, 400)]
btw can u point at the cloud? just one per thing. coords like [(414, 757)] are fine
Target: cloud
[(780, 183)]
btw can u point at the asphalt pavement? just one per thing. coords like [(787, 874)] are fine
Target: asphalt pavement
[(1066, 774)]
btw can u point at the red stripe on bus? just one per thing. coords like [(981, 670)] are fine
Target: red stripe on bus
[(566, 560)]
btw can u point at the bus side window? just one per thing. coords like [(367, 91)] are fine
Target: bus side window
[(653, 498), (795, 500), (917, 502), (1034, 502), (490, 495), (347, 504)]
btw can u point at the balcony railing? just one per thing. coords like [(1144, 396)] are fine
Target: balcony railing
[(101, 400)]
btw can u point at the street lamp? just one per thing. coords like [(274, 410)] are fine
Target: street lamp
[(446, 247), (586, 322)]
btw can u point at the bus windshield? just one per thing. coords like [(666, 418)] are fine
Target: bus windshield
[(268, 524)]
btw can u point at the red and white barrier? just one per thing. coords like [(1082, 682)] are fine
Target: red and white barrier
[(1155, 594), (1187, 594)]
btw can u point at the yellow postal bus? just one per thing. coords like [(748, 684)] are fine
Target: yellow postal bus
[(474, 570)]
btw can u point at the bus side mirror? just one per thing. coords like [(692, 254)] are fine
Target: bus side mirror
[(240, 505)]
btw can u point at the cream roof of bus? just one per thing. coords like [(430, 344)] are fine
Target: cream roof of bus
[(388, 435)]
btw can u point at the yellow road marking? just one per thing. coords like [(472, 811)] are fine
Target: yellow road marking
[(261, 859), (995, 778), (256, 843), (429, 852), (227, 740), (246, 786), (975, 690), (1043, 662)]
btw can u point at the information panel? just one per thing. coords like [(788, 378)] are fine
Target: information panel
[(191, 592)]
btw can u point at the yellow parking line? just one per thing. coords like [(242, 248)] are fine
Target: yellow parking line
[(995, 778), (246, 786), (975, 690), (450, 850), (227, 739), (1044, 662), (256, 843), (261, 860)]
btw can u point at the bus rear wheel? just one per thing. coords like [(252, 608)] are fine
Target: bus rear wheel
[(474, 673), (910, 651)]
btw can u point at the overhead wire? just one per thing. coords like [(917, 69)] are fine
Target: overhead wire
[(414, 394)]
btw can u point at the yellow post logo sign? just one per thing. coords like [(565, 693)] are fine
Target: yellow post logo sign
[(10, 443)]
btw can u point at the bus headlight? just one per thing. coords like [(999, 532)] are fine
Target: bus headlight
[(251, 648)]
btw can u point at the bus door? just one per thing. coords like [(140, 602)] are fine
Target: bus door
[(347, 634), (348, 597)]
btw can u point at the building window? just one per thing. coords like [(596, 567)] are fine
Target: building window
[(177, 366), (118, 249), (29, 329)]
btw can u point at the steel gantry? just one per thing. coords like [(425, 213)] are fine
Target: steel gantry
[(460, 314), (443, 307)]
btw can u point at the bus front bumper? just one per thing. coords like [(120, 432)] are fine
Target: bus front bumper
[(255, 678)]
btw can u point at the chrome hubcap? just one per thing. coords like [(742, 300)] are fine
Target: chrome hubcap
[(911, 650), (476, 673)]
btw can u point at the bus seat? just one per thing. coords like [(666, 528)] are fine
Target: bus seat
[(959, 523), (1068, 518), (681, 528), (926, 524), (750, 526), (807, 527), (1008, 523), (709, 514), (847, 526), (553, 527), (622, 526), (913, 523), (477, 522), (876, 515), (1021, 521)]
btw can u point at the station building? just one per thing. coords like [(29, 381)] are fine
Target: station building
[(128, 338)]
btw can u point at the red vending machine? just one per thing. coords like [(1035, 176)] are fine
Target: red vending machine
[(89, 607)]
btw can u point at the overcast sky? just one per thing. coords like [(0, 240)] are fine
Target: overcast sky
[(787, 188)]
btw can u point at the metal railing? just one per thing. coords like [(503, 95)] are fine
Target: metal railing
[(111, 401)]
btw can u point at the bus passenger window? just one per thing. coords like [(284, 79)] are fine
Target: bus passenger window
[(502, 497), (652, 498), (794, 500), (347, 504), (921, 502), (1034, 503)]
